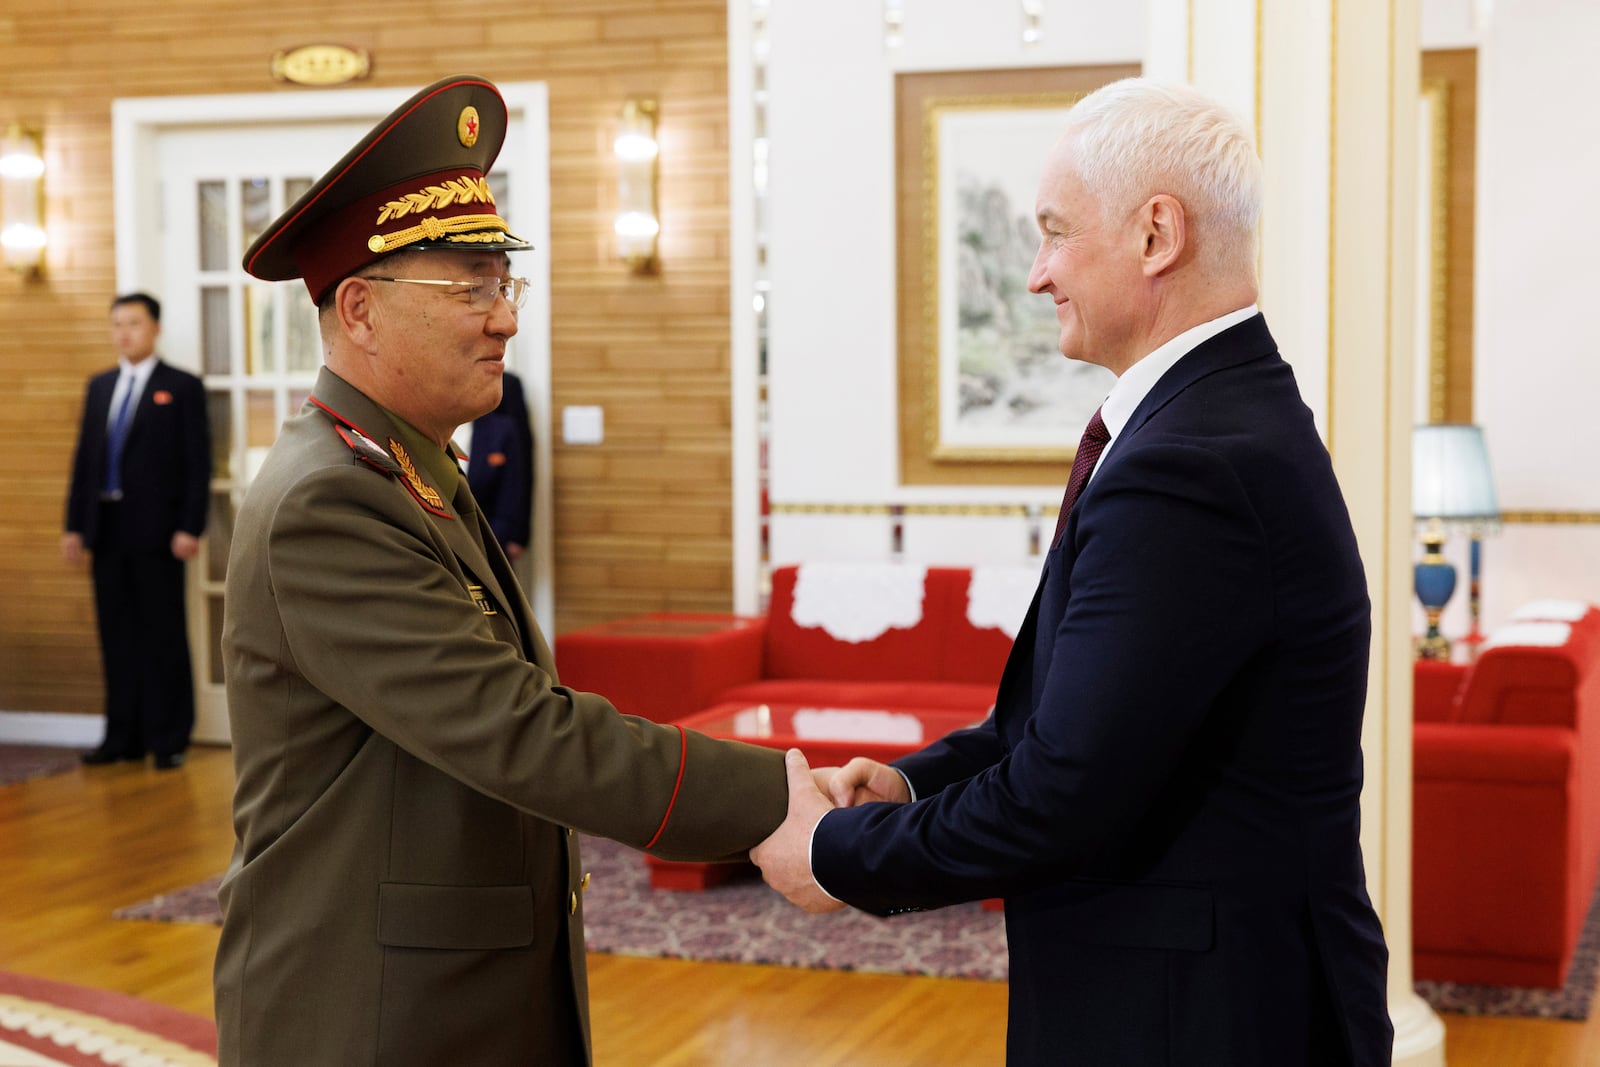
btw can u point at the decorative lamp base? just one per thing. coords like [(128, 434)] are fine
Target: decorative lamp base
[(1434, 579)]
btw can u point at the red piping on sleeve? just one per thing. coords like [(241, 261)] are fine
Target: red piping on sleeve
[(683, 759)]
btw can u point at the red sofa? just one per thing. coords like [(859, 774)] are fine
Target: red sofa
[(1506, 819), (818, 648)]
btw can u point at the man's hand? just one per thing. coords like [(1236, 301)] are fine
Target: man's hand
[(785, 857), (72, 547), (862, 781), (185, 545)]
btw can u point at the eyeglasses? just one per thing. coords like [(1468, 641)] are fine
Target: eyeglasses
[(480, 291)]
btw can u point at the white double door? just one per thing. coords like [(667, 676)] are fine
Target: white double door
[(198, 179)]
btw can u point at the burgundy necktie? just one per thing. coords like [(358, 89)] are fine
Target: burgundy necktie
[(1093, 442)]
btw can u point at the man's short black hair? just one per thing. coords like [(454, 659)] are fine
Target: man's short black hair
[(151, 304)]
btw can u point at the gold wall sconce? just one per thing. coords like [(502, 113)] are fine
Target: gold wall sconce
[(638, 223), (22, 234)]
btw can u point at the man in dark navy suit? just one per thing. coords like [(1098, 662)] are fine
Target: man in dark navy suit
[(1167, 795), (137, 504), (500, 467)]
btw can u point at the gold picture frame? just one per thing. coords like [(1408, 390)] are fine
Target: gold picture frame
[(947, 123)]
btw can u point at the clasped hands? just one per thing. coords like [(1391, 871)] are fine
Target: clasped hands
[(785, 857)]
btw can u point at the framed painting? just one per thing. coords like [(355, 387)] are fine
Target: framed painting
[(985, 394)]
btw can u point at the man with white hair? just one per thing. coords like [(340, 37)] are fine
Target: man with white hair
[(1167, 794)]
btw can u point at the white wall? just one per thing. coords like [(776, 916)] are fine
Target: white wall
[(1536, 375), (832, 366), (832, 356)]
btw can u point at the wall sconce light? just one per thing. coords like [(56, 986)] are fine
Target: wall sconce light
[(22, 235), (638, 222)]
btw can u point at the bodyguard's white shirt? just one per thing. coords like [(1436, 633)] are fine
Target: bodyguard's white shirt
[(1119, 405), (134, 377)]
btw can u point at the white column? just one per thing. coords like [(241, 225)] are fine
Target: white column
[(1331, 88)]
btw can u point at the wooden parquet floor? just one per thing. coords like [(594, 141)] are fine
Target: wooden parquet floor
[(77, 846)]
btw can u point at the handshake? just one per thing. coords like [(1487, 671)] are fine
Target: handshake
[(785, 857)]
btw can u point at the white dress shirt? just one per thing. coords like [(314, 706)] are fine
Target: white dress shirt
[(133, 378)]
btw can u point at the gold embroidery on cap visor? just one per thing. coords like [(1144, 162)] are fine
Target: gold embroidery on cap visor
[(457, 229)]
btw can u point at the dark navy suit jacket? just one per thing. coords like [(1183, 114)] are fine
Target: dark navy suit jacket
[(1167, 792), (166, 461), (500, 469)]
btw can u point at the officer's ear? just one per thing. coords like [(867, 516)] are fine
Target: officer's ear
[(355, 308)]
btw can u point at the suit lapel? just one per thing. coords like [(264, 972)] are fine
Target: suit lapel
[(1238, 344)]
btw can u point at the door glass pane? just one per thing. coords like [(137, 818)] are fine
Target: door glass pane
[(212, 203), (214, 637), (219, 409), (260, 429), (261, 418), (294, 189), (214, 330), (255, 209), (219, 536), (259, 329), (297, 400), (303, 340)]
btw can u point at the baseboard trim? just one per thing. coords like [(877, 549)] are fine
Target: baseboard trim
[(50, 728)]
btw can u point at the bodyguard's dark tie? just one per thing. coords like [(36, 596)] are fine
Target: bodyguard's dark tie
[(115, 439), (1093, 442)]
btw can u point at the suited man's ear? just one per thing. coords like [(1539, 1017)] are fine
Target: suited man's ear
[(1165, 229)]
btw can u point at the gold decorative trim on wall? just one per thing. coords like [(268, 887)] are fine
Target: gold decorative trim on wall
[(1551, 518), (1436, 240), (966, 510), (1449, 81)]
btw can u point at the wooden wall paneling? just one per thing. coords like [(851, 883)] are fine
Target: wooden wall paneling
[(651, 350)]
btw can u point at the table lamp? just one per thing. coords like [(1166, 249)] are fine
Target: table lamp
[(1451, 489)]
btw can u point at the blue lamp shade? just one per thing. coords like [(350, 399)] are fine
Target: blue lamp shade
[(1450, 475)]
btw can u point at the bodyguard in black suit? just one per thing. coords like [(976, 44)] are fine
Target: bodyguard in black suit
[(500, 467), (137, 504), (1167, 794)]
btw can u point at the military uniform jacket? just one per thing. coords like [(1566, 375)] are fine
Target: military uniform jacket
[(405, 887)]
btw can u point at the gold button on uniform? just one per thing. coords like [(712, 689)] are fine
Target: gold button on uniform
[(583, 886), (572, 904)]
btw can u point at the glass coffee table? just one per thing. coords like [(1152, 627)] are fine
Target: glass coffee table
[(829, 737)]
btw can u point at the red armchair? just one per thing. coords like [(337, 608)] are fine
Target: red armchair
[(1506, 830)]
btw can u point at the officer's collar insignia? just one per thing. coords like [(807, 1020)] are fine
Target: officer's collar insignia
[(366, 448), (424, 492)]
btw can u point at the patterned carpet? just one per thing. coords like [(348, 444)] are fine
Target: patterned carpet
[(746, 922), (742, 921), (49, 1024), (19, 763)]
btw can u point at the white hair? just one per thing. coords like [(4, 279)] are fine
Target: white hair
[(1136, 138)]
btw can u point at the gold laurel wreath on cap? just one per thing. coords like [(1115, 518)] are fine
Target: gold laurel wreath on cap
[(462, 190)]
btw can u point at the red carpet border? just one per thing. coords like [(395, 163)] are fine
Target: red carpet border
[(79, 1027)]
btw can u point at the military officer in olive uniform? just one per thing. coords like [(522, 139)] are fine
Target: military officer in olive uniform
[(406, 886)]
